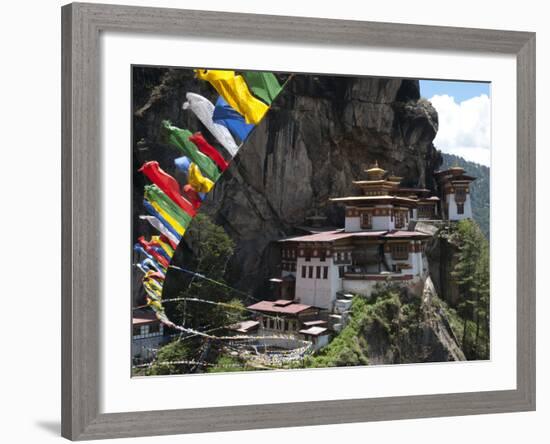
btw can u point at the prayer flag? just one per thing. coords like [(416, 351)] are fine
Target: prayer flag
[(263, 84), (204, 110), (180, 139), (164, 226), (193, 197), (227, 116), (195, 178), (167, 184), (234, 90), (156, 196), (209, 150)]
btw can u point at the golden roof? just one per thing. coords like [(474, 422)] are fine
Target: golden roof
[(375, 171)]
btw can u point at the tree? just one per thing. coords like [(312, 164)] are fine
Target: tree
[(471, 273), (169, 354), (211, 248)]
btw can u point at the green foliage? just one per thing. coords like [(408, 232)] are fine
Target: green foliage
[(349, 347), (174, 351), (471, 273), (211, 245), (212, 248), (479, 189), (385, 313), (227, 364), (235, 312)]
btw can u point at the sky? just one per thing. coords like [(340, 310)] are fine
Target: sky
[(464, 111)]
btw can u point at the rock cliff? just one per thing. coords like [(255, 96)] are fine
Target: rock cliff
[(319, 135)]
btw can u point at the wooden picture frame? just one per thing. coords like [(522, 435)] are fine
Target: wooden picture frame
[(81, 206)]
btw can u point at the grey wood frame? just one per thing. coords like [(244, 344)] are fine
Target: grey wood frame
[(81, 254)]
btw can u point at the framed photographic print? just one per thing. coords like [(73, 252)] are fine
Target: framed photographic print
[(277, 221)]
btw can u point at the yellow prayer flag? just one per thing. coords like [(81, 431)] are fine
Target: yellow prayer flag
[(199, 183), (168, 217), (234, 90), (166, 247)]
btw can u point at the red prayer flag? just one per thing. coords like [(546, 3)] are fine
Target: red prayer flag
[(157, 275), (209, 150), (147, 247), (167, 184), (192, 196), (169, 241)]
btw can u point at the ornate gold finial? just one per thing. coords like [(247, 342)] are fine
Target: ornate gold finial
[(375, 172)]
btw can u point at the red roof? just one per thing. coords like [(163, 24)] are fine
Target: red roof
[(399, 233), (245, 326), (282, 302), (329, 236), (315, 322), (144, 317), (371, 198), (325, 236), (314, 331), (339, 234), (272, 307)]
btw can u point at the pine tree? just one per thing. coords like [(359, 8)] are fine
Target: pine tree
[(471, 273)]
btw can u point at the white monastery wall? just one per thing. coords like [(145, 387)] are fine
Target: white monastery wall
[(353, 224), (315, 291), (453, 212)]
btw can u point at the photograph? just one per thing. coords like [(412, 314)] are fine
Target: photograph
[(298, 221)]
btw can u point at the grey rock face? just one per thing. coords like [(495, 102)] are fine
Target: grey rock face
[(319, 136)]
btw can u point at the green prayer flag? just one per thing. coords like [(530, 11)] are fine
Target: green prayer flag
[(263, 85), (154, 194), (180, 139)]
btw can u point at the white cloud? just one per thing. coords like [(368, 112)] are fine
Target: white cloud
[(465, 127)]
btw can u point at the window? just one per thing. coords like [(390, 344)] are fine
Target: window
[(325, 272), (318, 275), (366, 220), (341, 271), (399, 220), (136, 331), (154, 328), (311, 272), (400, 251), (460, 208), (425, 211), (303, 271), (460, 194)]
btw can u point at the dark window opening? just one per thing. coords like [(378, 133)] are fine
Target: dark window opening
[(400, 251)]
